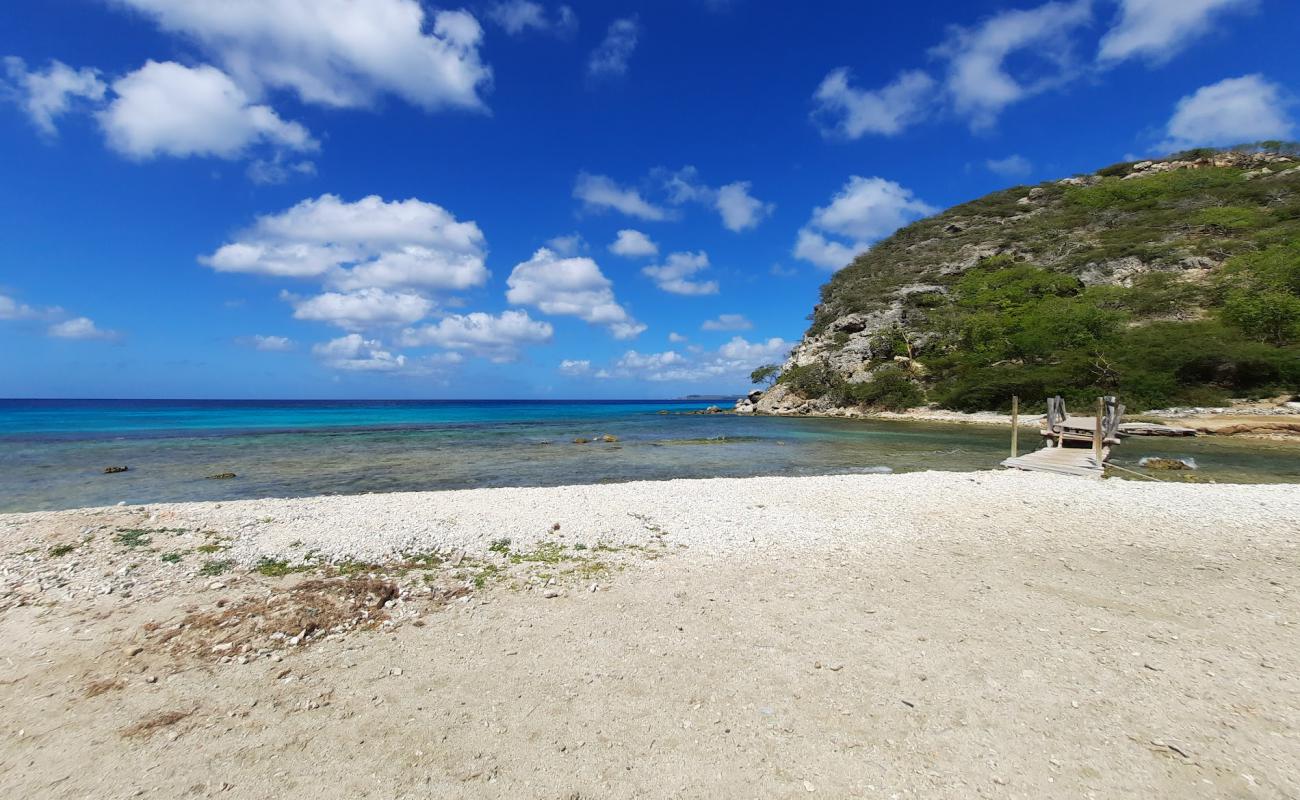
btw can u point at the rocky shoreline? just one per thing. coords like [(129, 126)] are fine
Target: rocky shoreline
[(1277, 420)]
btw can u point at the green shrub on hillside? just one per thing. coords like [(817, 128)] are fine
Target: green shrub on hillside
[(890, 389), (1149, 191), (818, 379), (1231, 218), (1269, 316), (1036, 342)]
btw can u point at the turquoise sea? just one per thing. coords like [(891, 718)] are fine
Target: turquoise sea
[(53, 452)]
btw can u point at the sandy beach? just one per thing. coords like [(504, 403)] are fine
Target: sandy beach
[(920, 635)]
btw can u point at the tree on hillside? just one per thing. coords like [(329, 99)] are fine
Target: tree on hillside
[(766, 374)]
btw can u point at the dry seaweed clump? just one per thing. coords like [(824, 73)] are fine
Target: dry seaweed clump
[(291, 617), (148, 726)]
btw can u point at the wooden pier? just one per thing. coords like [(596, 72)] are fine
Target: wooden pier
[(1072, 445)]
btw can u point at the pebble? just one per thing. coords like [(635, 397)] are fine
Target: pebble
[(549, 593)]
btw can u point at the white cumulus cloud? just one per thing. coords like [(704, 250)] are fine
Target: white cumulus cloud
[(165, 108), (601, 193), (12, 309), (364, 308), (675, 274), (58, 322), (730, 363), (568, 245), (570, 287), (498, 337), (270, 344), (739, 209), (1013, 166), (863, 211), (49, 94), (341, 53), (1159, 29), (355, 353), (610, 58), (1232, 111), (520, 16), (727, 322), (632, 243), (80, 328), (843, 110), (575, 366), (370, 243), (980, 82)]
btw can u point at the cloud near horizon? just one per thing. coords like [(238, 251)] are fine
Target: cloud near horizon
[(497, 337), (732, 362)]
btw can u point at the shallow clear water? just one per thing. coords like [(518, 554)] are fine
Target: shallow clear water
[(52, 453)]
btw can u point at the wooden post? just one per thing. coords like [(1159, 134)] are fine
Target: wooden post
[(1015, 426), (1096, 434)]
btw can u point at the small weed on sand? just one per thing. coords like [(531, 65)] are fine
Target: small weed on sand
[(544, 553), (431, 559), (277, 568), (132, 537), (216, 567), (59, 550)]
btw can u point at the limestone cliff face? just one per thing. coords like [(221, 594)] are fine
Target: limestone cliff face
[(879, 311)]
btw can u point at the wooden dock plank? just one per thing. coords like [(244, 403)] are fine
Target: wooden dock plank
[(1060, 460)]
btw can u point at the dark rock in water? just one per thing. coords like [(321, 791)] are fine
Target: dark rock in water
[(1164, 463), (222, 476), (111, 470), (712, 410)]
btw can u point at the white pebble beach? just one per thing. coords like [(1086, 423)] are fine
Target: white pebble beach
[(990, 634)]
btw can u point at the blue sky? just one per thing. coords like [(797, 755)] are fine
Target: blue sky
[(386, 198)]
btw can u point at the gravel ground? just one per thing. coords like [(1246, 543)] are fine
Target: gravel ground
[(716, 516), (936, 635)]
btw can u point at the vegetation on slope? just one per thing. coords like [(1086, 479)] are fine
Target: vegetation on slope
[(1166, 287)]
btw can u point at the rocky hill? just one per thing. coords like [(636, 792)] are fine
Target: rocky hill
[(1173, 281)]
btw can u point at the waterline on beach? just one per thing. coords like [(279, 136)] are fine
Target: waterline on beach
[(52, 460)]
